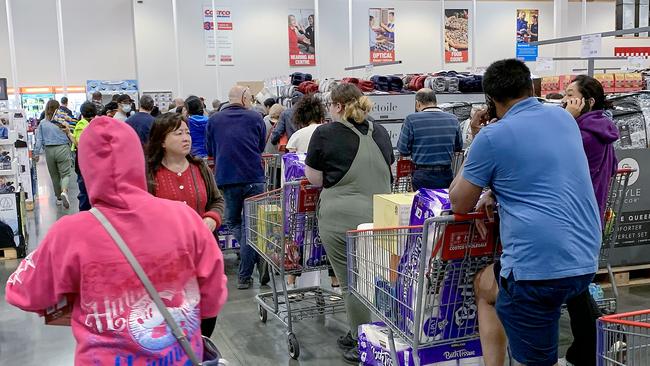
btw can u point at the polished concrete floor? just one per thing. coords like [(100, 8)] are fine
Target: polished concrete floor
[(243, 339)]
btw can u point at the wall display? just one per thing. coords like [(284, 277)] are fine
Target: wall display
[(527, 31), (9, 213), (162, 99), (222, 47), (381, 30), (456, 35), (302, 37)]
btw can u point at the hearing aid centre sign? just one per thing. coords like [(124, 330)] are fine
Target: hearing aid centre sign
[(218, 44), (632, 245)]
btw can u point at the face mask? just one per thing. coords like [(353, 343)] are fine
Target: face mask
[(126, 108)]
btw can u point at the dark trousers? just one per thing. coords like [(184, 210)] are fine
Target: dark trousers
[(84, 200), (234, 195), (583, 312), (438, 178)]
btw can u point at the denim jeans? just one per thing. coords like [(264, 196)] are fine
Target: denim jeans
[(234, 195), (84, 200), (432, 179)]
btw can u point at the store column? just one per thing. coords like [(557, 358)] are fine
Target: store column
[(560, 27)]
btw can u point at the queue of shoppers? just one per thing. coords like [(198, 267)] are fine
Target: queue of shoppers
[(524, 155)]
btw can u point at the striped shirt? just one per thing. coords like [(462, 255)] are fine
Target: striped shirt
[(430, 137)]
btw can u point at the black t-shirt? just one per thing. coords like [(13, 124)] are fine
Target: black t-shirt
[(333, 147)]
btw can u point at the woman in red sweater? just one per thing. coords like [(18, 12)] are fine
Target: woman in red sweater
[(174, 174)]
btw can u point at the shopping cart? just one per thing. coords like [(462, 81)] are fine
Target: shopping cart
[(403, 181), (419, 280), (281, 226), (271, 163), (457, 162), (613, 209), (624, 339)]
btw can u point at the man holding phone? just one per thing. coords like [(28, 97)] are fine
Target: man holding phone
[(533, 160)]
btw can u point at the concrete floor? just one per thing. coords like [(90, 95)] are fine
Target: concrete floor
[(243, 339)]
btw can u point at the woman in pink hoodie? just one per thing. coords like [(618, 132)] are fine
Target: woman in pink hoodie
[(113, 318)]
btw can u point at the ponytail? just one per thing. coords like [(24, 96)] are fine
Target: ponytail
[(357, 110)]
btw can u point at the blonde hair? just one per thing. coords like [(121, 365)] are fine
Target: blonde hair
[(356, 105), (275, 111)]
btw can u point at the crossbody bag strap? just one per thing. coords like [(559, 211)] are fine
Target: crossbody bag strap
[(153, 293), (196, 188)]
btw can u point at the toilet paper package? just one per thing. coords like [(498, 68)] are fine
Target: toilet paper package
[(293, 167), (374, 350), (226, 239), (300, 223), (426, 204)]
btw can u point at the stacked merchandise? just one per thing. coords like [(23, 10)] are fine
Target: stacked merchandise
[(644, 103), (629, 119), (374, 351), (612, 83)]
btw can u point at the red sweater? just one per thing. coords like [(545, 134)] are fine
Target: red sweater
[(181, 187)]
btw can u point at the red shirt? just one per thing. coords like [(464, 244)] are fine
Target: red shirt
[(181, 187), (293, 42)]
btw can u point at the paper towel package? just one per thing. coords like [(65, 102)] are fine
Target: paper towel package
[(428, 203), (226, 239), (374, 350), (300, 224)]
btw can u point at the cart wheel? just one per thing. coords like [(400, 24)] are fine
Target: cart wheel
[(294, 347), (263, 314), (320, 301)]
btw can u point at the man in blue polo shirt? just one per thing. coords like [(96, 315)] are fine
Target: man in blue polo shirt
[(533, 160), (236, 137), (430, 137)]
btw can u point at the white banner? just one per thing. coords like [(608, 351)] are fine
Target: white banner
[(221, 48), (392, 107)]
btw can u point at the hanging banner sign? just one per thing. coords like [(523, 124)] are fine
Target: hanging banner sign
[(382, 34), (527, 31), (220, 48), (456, 35), (302, 37)]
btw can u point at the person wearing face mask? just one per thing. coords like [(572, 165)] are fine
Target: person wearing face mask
[(350, 158), (585, 100), (124, 107), (430, 137), (236, 137)]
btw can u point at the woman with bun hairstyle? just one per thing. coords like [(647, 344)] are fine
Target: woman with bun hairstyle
[(350, 158)]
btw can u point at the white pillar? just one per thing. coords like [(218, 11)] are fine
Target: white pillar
[(12, 52), (59, 26), (317, 38), (179, 86), (350, 48), (560, 26), (217, 66)]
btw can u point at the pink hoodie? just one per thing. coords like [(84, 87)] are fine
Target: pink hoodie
[(114, 320)]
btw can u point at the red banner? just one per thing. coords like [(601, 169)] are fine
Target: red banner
[(456, 35), (381, 34), (302, 40)]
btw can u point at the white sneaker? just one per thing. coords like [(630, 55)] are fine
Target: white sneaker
[(563, 362), (337, 290), (291, 286), (65, 200), (59, 202)]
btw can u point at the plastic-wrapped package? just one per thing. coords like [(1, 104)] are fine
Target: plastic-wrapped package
[(628, 116), (374, 350), (293, 167)]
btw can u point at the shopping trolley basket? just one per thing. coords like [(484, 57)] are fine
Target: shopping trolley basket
[(624, 339), (457, 162), (420, 280), (613, 209), (403, 181), (271, 163), (281, 226)]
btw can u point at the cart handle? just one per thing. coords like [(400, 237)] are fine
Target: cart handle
[(625, 170), (471, 216)]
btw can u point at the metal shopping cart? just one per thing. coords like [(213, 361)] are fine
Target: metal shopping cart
[(419, 280), (624, 339), (457, 162), (403, 181), (614, 207), (271, 163), (281, 226)]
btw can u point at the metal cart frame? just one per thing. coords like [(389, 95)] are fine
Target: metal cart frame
[(624, 339), (430, 283), (282, 228)]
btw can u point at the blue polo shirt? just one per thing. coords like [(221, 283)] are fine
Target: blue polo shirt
[(534, 161)]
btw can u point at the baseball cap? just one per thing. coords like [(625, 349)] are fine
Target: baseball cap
[(124, 99)]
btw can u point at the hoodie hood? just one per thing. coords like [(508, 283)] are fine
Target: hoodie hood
[(598, 124), (111, 160)]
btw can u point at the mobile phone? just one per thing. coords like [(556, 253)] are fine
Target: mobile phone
[(491, 108)]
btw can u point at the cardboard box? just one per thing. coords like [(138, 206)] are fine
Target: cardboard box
[(392, 210), (634, 81), (608, 82)]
